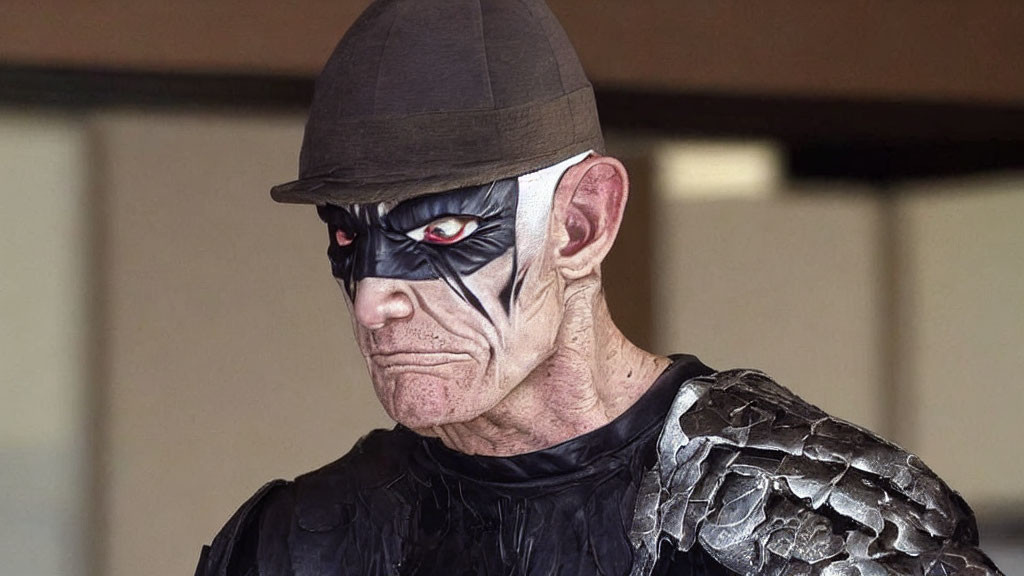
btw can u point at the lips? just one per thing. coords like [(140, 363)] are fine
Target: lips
[(418, 359)]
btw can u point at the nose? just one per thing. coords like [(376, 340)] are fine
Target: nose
[(380, 300)]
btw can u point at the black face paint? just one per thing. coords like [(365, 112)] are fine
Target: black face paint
[(380, 246)]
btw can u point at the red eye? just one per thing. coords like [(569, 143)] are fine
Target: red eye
[(343, 238), (447, 230)]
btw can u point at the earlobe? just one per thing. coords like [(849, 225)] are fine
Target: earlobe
[(590, 201)]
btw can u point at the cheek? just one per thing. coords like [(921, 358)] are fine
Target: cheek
[(503, 346), (537, 316), (457, 383), (526, 333)]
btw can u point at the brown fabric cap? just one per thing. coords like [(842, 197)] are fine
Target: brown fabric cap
[(424, 96)]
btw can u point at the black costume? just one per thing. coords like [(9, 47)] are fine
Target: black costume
[(723, 492), (399, 503), (433, 108)]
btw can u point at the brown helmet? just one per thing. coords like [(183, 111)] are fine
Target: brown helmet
[(424, 96)]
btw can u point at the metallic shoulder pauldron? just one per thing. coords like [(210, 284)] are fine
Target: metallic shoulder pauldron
[(768, 484)]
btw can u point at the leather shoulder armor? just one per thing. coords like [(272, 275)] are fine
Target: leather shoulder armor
[(345, 518), (230, 548), (351, 517), (768, 484)]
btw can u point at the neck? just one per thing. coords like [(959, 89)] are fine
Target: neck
[(594, 375)]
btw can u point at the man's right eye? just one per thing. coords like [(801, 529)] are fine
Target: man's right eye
[(343, 238)]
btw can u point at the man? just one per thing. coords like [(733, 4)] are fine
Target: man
[(454, 153)]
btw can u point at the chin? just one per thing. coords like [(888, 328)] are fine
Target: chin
[(422, 400)]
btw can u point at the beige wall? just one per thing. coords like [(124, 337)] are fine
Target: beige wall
[(226, 357), (230, 360), (963, 294), (44, 330), (958, 50), (921, 340), (785, 284)]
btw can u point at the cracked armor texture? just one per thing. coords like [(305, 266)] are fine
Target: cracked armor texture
[(736, 475), (767, 484)]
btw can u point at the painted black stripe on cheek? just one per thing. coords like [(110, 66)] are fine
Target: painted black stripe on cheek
[(454, 281), (519, 284), (506, 292)]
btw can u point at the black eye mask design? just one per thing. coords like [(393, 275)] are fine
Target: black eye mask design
[(381, 248)]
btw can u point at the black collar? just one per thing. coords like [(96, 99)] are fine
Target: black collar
[(592, 453)]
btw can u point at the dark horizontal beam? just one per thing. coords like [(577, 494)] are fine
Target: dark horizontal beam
[(77, 88), (885, 162), (826, 137), (808, 118), (789, 118)]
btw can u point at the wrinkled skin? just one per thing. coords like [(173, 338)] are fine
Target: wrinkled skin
[(498, 343), (443, 334), (445, 362)]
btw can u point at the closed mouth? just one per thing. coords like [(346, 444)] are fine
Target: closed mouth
[(421, 359)]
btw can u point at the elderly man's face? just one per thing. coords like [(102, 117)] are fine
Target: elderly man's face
[(453, 296)]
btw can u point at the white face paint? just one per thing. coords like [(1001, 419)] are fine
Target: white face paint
[(533, 208)]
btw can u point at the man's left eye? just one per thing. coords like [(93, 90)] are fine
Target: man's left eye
[(447, 230)]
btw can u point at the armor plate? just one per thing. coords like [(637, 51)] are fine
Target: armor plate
[(768, 484)]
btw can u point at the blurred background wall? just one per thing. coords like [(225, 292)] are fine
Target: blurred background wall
[(832, 193)]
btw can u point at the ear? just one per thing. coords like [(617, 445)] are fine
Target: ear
[(589, 202)]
